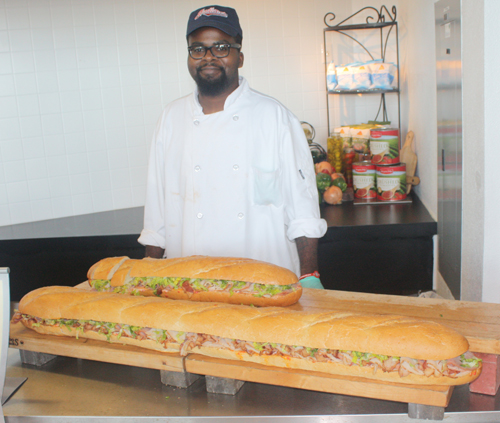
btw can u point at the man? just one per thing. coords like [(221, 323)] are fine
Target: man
[(230, 170)]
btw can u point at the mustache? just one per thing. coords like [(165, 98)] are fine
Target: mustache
[(201, 67)]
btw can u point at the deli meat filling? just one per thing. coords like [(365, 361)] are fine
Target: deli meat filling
[(466, 364)]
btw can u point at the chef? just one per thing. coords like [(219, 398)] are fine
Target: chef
[(230, 170)]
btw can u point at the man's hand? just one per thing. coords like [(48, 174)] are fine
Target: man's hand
[(154, 252)]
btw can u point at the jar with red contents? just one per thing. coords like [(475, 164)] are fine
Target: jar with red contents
[(349, 156)]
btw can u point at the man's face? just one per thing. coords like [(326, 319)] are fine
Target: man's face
[(214, 76)]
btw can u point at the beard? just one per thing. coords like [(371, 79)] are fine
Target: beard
[(211, 87)]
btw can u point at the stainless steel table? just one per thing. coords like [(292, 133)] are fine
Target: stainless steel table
[(76, 390)]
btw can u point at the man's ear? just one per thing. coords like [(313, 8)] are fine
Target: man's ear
[(242, 59)]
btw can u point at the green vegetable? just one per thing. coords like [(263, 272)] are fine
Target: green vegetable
[(340, 182), (258, 346), (323, 181), (100, 284), (469, 362), (311, 351)]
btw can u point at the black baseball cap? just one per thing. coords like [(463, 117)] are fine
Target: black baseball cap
[(220, 17)]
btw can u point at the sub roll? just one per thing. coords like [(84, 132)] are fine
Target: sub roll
[(381, 347), (198, 278)]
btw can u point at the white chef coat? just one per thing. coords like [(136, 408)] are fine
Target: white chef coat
[(236, 183)]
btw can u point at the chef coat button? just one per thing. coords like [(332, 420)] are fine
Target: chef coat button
[(199, 215), (236, 167), (197, 168), (196, 122), (240, 215), (235, 117)]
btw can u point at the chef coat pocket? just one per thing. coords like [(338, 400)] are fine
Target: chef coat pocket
[(267, 187)]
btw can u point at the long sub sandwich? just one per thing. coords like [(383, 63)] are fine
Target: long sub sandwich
[(382, 347), (198, 278)]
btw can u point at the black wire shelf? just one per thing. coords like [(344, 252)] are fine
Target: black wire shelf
[(374, 91)]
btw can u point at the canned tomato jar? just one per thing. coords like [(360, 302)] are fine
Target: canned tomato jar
[(391, 182), (384, 145), (363, 179)]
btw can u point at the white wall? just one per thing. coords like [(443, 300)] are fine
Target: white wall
[(82, 83), (491, 264), (418, 105)]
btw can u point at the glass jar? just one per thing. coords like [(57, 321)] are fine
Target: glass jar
[(335, 149)]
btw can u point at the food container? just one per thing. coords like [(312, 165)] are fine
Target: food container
[(384, 146), (364, 180), (360, 140), (335, 148), (391, 182), (348, 160)]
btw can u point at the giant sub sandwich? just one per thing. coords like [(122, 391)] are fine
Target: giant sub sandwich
[(382, 347), (198, 278)]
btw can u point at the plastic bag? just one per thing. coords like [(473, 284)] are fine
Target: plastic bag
[(331, 77)]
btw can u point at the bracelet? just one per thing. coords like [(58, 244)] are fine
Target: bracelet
[(315, 274)]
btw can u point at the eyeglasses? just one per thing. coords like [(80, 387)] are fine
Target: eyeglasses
[(219, 50)]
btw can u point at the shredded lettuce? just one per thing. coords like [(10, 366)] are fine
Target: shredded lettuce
[(259, 346), (258, 290), (312, 351), (469, 362), (100, 284)]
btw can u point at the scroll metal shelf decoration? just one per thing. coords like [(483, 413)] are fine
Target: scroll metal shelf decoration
[(382, 19), (371, 22)]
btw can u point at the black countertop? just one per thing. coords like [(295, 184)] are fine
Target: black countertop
[(371, 221), (361, 221)]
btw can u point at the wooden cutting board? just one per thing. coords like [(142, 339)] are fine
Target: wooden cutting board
[(316, 381), (408, 156), (478, 322)]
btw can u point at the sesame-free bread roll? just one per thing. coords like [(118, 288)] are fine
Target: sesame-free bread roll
[(335, 342), (199, 278)]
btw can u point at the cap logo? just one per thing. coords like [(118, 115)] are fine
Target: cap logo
[(211, 12)]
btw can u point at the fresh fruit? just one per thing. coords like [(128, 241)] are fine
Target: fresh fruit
[(337, 175), (324, 167), (333, 195)]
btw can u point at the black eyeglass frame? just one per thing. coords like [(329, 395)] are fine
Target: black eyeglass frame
[(190, 49)]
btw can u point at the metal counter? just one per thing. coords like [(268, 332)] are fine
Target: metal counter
[(76, 390)]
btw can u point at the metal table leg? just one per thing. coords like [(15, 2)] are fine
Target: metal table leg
[(36, 358), (222, 385), (425, 412), (178, 379)]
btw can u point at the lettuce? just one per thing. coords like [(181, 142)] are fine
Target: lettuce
[(312, 351), (469, 363), (259, 346), (100, 284)]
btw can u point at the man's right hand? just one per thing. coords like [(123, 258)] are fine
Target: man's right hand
[(154, 252)]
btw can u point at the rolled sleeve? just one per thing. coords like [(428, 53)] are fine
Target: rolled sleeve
[(148, 237), (310, 228), (302, 203)]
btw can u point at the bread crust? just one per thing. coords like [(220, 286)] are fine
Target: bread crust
[(334, 368), (201, 267), (379, 334), (105, 268)]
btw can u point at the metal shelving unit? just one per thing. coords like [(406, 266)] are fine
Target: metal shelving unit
[(388, 31)]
